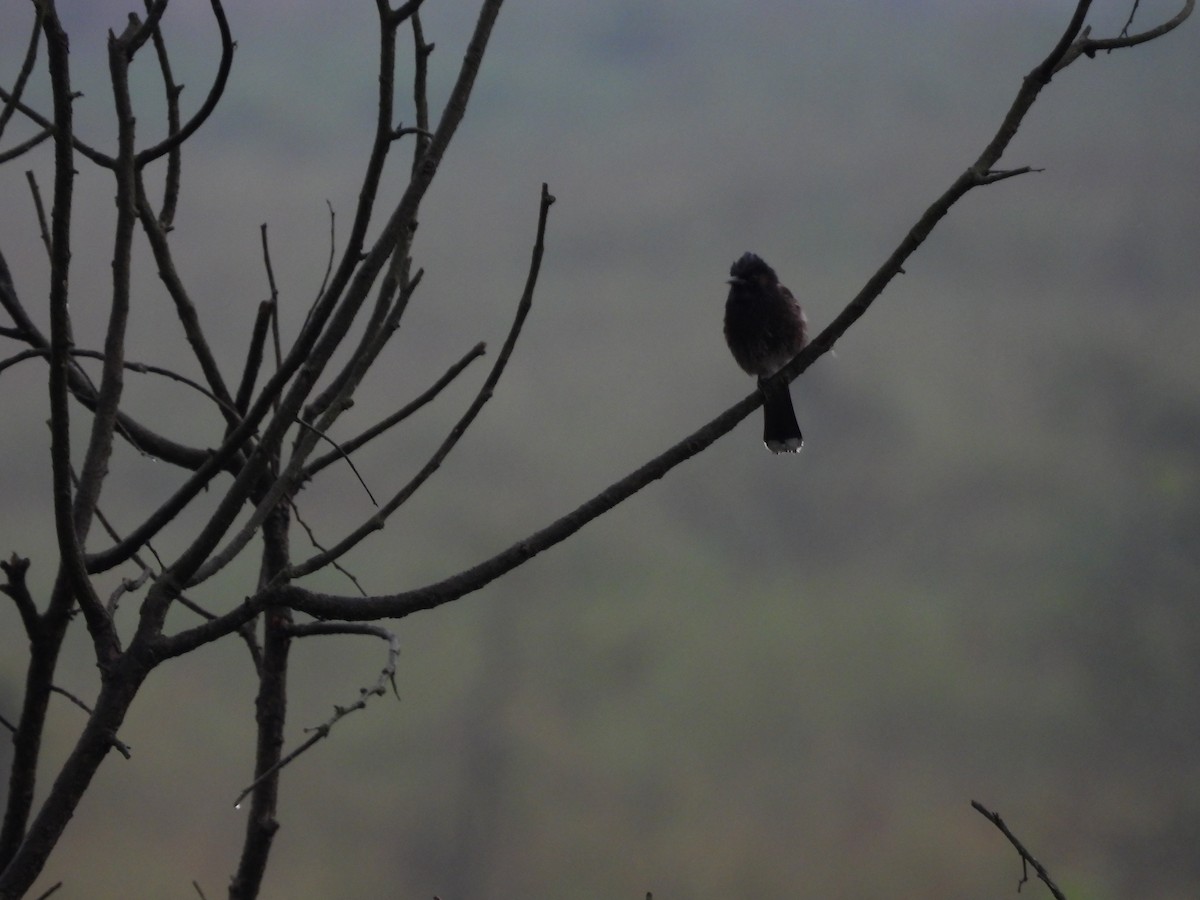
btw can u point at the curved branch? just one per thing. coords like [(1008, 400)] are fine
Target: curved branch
[(166, 215), (377, 521), (140, 368), (433, 595), (100, 159), (319, 732), (348, 447), (1089, 47), (23, 74), (1026, 857), (172, 141)]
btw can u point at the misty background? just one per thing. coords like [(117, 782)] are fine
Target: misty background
[(763, 676)]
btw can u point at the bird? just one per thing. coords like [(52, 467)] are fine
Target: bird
[(764, 328)]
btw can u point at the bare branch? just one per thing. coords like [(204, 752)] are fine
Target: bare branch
[(43, 228), (14, 569), (348, 447), (312, 537), (376, 522), (340, 451), (378, 689), (174, 140), (138, 367), (166, 215), (254, 354), (421, 54), (10, 102), (1026, 857), (65, 515), (1089, 47), (185, 309), (117, 745), (274, 301), (25, 146)]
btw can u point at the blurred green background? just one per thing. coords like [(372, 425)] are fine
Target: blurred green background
[(762, 676)]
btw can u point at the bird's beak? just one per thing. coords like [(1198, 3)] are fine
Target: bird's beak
[(736, 281)]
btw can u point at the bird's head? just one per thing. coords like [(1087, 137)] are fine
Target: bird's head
[(750, 269)]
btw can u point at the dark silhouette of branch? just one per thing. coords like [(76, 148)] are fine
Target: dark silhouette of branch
[(348, 447), (1089, 47), (312, 538), (10, 102), (65, 508), (319, 732), (40, 208), (25, 146), (185, 309), (377, 521), (14, 569), (421, 54), (130, 365), (254, 355), (176, 138), (980, 173), (270, 714), (166, 214), (119, 746), (1026, 857), (341, 451)]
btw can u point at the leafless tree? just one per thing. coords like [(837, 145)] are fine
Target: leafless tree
[(274, 417)]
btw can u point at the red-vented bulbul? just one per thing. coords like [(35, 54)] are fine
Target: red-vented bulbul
[(764, 328)]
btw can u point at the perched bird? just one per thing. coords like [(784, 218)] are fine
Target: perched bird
[(764, 328)]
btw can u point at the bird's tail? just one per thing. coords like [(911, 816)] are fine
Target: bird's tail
[(781, 431)]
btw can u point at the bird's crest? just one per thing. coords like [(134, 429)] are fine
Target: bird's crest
[(751, 267)]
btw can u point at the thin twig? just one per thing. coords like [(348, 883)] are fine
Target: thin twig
[(65, 693), (377, 521), (132, 366), (1129, 22), (166, 215), (400, 415), (176, 139), (43, 227), (343, 454), (274, 301), (312, 537), (254, 355), (329, 261), (1026, 857), (118, 745), (317, 733), (421, 54), (31, 48), (1089, 46)]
